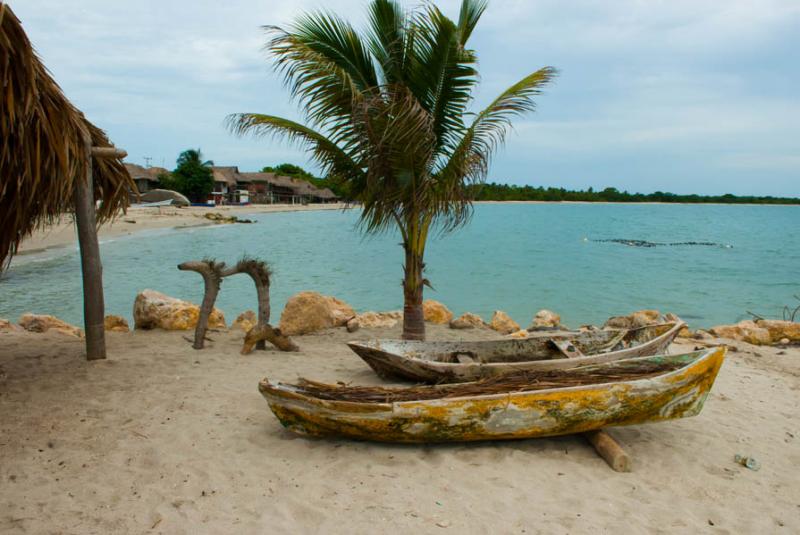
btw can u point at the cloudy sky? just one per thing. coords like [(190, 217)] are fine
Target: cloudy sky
[(679, 95)]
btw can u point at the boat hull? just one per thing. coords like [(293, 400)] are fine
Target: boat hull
[(515, 415), (390, 365)]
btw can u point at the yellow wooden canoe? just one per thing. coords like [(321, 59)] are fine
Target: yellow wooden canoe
[(518, 405)]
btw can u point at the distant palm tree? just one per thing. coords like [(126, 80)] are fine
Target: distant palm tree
[(193, 157), (386, 111)]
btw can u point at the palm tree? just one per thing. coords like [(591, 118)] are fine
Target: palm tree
[(386, 115)]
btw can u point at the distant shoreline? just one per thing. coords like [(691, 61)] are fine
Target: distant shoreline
[(138, 219), (640, 203)]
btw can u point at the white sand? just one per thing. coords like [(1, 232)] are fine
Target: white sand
[(138, 219), (165, 439)]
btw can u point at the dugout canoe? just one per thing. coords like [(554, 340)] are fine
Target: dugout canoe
[(456, 362), (512, 406)]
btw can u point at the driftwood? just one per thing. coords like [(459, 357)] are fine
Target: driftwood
[(610, 450), (213, 272), (258, 334)]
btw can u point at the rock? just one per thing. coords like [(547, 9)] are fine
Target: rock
[(779, 329), (353, 325), (378, 320), (7, 326), (545, 319), (435, 312), (700, 334), (308, 312), (116, 324), (154, 310), (785, 341), (36, 323), (685, 333), (744, 331), (502, 323), (640, 318), (245, 321), (468, 320)]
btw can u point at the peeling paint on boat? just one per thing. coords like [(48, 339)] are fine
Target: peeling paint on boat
[(676, 394)]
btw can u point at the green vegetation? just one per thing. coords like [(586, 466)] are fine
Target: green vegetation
[(506, 192), (192, 176), (388, 113)]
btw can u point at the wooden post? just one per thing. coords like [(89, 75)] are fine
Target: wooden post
[(610, 450), (91, 267)]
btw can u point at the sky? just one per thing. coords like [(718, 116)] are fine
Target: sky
[(688, 96)]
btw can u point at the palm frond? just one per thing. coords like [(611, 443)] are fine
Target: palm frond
[(327, 153)]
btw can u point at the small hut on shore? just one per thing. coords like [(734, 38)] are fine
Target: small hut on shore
[(52, 161)]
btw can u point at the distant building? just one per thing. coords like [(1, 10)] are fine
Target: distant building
[(146, 178), (234, 187)]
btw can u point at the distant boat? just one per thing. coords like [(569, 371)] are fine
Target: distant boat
[(513, 406), (453, 362), (156, 204)]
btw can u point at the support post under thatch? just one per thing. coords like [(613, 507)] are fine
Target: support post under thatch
[(91, 267)]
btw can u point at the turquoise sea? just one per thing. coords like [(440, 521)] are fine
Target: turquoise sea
[(514, 257)]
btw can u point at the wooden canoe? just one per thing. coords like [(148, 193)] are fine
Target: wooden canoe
[(455, 362), (512, 406)]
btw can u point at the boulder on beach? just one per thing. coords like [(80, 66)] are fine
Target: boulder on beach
[(545, 319), (154, 310), (7, 326), (640, 318), (245, 321), (40, 323), (375, 320), (502, 323), (744, 331), (308, 312), (116, 324), (436, 312), (468, 320), (760, 332), (522, 333)]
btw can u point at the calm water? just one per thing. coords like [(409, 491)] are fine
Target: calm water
[(518, 258)]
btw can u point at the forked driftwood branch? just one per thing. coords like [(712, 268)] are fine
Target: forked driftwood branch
[(213, 272)]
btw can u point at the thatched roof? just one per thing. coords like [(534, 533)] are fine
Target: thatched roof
[(227, 174), (138, 172), (43, 151)]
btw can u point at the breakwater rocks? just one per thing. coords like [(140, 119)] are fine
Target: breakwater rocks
[(644, 243)]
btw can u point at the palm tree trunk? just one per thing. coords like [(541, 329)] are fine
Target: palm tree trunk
[(413, 317)]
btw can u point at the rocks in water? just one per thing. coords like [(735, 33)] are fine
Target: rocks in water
[(545, 319), (154, 310), (744, 331), (39, 323), (435, 312), (116, 324), (245, 321), (308, 312), (468, 320), (640, 318), (502, 323), (760, 332), (219, 218), (375, 320)]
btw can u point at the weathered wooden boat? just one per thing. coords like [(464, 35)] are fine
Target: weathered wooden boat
[(512, 406), (454, 362)]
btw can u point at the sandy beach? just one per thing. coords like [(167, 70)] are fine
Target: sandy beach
[(138, 219), (161, 438)]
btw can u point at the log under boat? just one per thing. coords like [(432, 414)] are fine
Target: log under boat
[(454, 362), (513, 406)]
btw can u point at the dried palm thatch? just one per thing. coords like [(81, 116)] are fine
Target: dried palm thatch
[(43, 145), (501, 384)]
